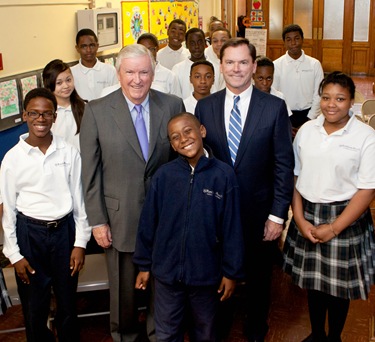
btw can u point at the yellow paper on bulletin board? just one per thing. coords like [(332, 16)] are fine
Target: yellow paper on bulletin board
[(163, 12), (135, 20)]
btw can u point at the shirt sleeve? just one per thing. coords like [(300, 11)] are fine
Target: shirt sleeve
[(83, 230), (9, 196)]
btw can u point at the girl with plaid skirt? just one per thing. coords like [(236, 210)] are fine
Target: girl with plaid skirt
[(330, 249)]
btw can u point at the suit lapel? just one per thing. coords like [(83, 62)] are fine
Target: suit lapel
[(156, 118), (121, 115), (219, 122), (252, 120)]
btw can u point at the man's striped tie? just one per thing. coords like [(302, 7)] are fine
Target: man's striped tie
[(235, 129)]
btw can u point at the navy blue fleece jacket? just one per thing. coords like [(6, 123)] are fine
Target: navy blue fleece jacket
[(190, 230)]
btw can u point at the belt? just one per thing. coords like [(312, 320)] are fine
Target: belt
[(47, 224)]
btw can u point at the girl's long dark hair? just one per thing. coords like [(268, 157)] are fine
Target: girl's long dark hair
[(50, 73)]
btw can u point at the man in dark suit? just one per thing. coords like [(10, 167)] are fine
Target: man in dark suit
[(250, 130), (123, 142)]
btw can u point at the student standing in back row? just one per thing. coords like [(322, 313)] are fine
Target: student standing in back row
[(90, 75), (174, 52), (298, 77)]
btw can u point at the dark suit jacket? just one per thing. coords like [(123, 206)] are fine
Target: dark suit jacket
[(115, 176), (265, 161)]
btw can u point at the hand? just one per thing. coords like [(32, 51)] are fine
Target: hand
[(103, 236), (22, 269), (272, 230), (307, 231), (77, 259), (142, 280), (228, 286), (323, 233)]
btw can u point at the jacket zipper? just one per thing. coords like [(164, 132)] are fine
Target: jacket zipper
[(186, 226)]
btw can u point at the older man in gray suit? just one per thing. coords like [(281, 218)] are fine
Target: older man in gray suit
[(123, 142)]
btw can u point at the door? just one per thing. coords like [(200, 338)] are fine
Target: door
[(338, 33)]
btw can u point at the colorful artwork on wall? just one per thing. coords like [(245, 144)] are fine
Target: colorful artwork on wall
[(154, 16)]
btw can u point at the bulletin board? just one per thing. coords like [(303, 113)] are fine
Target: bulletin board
[(12, 92), (154, 16)]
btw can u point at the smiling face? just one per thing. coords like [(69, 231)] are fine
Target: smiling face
[(39, 128), (135, 76), (293, 43), (202, 79), (237, 67), (64, 86), (186, 137), (176, 35), (335, 104)]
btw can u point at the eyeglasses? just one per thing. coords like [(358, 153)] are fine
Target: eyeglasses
[(36, 115), (88, 46)]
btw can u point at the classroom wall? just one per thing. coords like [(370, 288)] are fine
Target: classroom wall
[(33, 32)]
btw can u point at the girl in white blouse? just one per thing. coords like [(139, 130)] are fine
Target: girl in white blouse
[(58, 78)]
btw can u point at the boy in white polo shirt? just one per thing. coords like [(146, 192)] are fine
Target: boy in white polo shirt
[(45, 224)]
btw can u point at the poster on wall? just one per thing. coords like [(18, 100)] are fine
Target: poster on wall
[(154, 16), (135, 20), (257, 37), (163, 12)]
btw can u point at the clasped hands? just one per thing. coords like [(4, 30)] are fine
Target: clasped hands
[(317, 234)]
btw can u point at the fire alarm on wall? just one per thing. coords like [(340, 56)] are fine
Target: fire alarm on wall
[(1, 61)]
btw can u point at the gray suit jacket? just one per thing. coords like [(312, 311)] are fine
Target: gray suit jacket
[(115, 176)]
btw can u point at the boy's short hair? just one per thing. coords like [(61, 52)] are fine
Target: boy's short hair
[(263, 61), (185, 114), (85, 32), (204, 63), (177, 21), (149, 36), (40, 92), (292, 28), (194, 30)]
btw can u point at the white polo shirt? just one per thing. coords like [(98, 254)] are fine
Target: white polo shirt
[(43, 186), (89, 82), (169, 58), (299, 80), (333, 167)]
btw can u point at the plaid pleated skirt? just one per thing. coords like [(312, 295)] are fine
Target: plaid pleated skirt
[(4, 297), (342, 267)]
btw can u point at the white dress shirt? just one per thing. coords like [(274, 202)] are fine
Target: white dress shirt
[(299, 80), (333, 167), (190, 102), (89, 82), (43, 186)]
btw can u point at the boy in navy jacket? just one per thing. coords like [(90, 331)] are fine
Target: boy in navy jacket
[(190, 236)]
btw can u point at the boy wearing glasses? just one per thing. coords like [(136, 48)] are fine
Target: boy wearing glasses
[(90, 75), (45, 224)]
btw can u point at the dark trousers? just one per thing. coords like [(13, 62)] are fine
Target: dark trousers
[(337, 308), (260, 259), (125, 301), (171, 304), (48, 252)]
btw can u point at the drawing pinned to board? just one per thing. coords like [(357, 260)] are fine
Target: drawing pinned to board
[(9, 99), (134, 20)]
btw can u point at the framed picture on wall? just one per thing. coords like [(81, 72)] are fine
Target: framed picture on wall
[(10, 104)]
